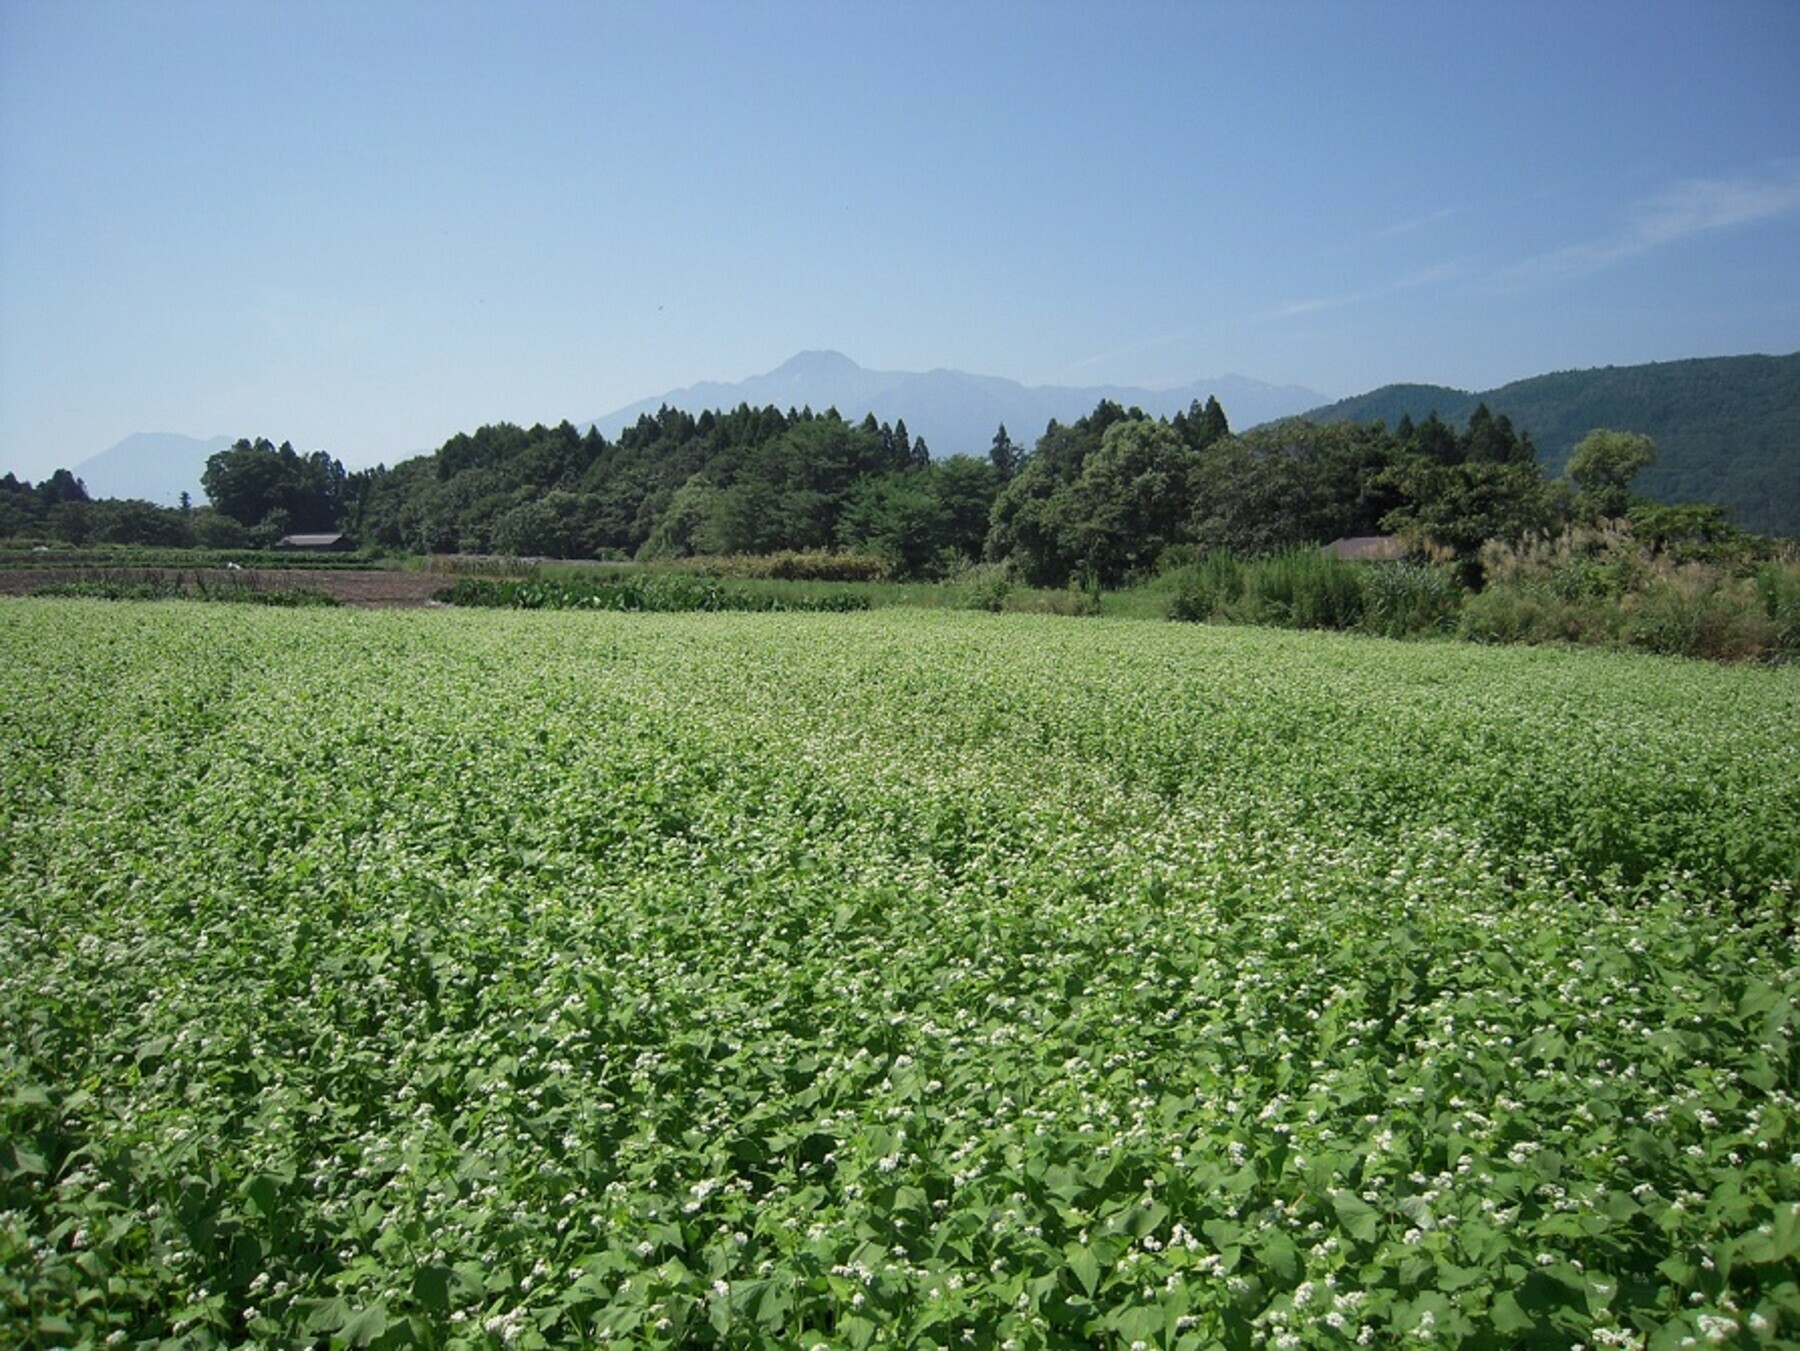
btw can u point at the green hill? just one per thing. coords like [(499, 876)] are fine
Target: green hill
[(1727, 429)]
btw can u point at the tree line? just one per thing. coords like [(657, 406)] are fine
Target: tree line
[(1103, 499), (1109, 497), (257, 493)]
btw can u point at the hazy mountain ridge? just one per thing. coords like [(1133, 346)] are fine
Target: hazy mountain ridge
[(1727, 429), (955, 411), (152, 466)]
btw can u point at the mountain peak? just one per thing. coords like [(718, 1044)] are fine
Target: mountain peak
[(154, 466), (817, 362)]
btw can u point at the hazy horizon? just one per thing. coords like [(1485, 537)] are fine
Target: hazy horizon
[(365, 228)]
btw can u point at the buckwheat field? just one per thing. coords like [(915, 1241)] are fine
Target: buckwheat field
[(902, 978)]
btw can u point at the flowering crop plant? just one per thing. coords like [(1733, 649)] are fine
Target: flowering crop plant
[(899, 978)]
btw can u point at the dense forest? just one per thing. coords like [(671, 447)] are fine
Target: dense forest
[(1103, 500), (1727, 429)]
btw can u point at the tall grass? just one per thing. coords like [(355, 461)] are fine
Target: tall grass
[(1305, 589), (1402, 599), (480, 565), (1209, 590), (788, 565), (1602, 588), (1596, 587)]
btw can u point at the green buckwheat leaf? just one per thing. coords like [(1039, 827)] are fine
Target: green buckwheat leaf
[(1359, 1219)]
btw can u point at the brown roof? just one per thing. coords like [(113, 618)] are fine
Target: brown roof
[(1367, 548)]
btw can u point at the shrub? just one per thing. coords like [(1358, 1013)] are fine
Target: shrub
[(1694, 612), (1073, 600), (1504, 614), (985, 586), (1602, 586)]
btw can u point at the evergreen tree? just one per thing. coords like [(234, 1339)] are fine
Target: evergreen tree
[(60, 487), (1200, 426), (1492, 440), (1435, 440), (1004, 456)]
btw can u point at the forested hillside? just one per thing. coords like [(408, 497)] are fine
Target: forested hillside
[(1727, 429), (1101, 500)]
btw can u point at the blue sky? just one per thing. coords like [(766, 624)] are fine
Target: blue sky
[(365, 227)]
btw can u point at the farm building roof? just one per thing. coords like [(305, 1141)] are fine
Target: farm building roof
[(1367, 548)]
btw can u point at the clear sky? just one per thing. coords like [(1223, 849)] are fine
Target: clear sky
[(363, 227)]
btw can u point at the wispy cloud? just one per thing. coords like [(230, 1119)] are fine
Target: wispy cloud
[(1133, 349), (1695, 206), (1418, 223), (1435, 275), (1295, 308)]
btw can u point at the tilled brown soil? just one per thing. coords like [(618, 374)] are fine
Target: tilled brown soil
[(374, 589)]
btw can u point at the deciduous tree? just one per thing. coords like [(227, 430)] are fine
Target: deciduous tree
[(1602, 466)]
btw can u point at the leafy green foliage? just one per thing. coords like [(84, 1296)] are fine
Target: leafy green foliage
[(1073, 506), (745, 481), (900, 978), (1602, 466), (898, 518)]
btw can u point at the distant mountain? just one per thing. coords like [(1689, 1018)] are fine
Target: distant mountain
[(1727, 429), (957, 413), (154, 466)]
